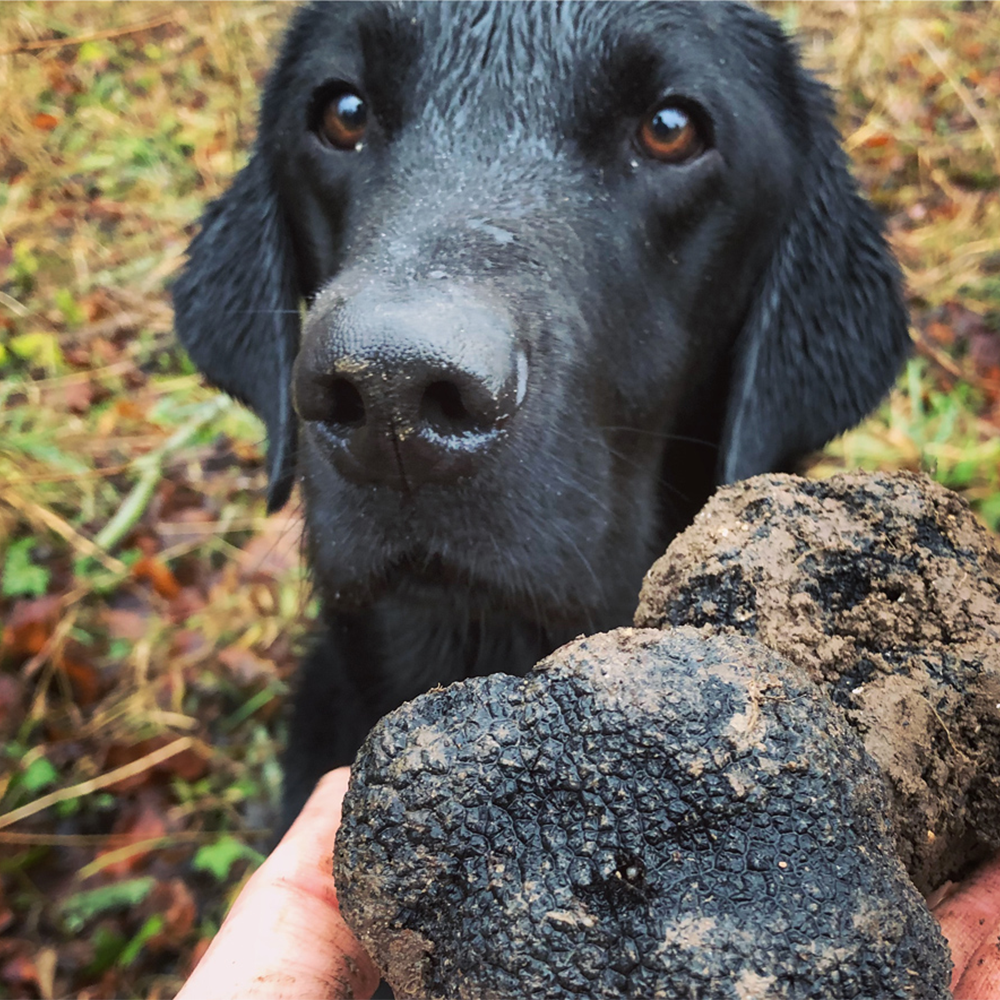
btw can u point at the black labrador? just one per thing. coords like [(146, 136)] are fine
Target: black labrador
[(513, 287)]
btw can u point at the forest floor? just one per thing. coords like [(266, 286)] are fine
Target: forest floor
[(151, 613)]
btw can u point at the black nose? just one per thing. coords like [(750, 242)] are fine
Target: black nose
[(409, 390)]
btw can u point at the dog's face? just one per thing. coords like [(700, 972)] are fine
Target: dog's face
[(564, 266)]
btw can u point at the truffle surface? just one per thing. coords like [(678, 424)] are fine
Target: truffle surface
[(886, 590), (645, 814)]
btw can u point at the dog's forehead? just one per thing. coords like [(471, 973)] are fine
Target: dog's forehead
[(543, 56)]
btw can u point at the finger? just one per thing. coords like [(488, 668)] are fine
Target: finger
[(981, 979), (284, 938), (970, 920)]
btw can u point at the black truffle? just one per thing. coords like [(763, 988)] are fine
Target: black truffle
[(886, 590), (645, 814)]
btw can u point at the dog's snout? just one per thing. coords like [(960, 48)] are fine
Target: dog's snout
[(406, 391)]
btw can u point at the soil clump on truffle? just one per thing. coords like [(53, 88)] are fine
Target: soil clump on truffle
[(885, 589)]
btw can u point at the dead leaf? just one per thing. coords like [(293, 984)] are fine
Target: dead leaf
[(147, 823), (158, 575), (188, 765), (273, 552), (245, 666), (83, 678), (11, 705), (174, 902), (21, 971), (77, 396), (123, 623), (30, 625)]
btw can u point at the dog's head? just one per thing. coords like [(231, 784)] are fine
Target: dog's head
[(565, 266)]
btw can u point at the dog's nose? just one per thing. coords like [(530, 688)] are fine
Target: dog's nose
[(407, 391)]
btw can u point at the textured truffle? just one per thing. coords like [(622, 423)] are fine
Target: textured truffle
[(645, 814), (886, 590)]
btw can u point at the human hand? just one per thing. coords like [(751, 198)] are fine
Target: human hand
[(284, 938), (969, 914)]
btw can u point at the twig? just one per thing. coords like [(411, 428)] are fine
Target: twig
[(150, 467), (35, 512), (94, 36), (113, 840), (101, 781), (13, 305)]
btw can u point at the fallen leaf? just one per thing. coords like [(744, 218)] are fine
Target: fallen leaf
[(30, 625), (20, 970), (158, 575), (245, 666), (123, 623), (273, 552), (174, 901), (11, 705), (188, 764), (83, 678), (77, 396), (145, 824)]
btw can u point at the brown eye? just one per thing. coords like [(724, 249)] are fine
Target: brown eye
[(669, 133), (344, 120)]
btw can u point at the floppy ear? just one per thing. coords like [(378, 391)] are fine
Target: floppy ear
[(237, 311), (827, 333)]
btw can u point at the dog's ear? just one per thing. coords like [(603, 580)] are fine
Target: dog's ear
[(827, 332), (237, 311)]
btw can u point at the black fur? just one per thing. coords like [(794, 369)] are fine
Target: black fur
[(685, 324)]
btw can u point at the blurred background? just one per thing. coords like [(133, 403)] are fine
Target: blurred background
[(151, 614)]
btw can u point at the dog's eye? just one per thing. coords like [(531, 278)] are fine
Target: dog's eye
[(344, 120), (670, 134)]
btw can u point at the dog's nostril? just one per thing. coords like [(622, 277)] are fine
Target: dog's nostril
[(347, 408), (443, 409)]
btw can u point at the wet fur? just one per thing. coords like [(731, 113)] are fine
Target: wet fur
[(688, 325)]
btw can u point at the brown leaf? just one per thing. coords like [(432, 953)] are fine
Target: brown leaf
[(158, 575), (174, 902), (985, 351), (83, 678), (127, 409), (146, 824), (246, 667), (21, 971), (77, 396), (11, 707), (122, 623), (44, 121), (273, 552), (188, 765), (941, 333), (30, 625), (189, 601)]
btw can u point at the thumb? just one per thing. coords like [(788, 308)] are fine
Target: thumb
[(284, 938)]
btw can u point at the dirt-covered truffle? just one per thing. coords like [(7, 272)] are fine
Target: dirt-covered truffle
[(645, 814), (886, 590)]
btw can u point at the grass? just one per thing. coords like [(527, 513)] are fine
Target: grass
[(151, 613)]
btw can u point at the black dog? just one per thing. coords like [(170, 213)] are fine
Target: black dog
[(566, 267)]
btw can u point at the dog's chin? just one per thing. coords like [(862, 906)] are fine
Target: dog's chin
[(431, 583)]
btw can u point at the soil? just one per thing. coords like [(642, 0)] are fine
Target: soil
[(885, 589)]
